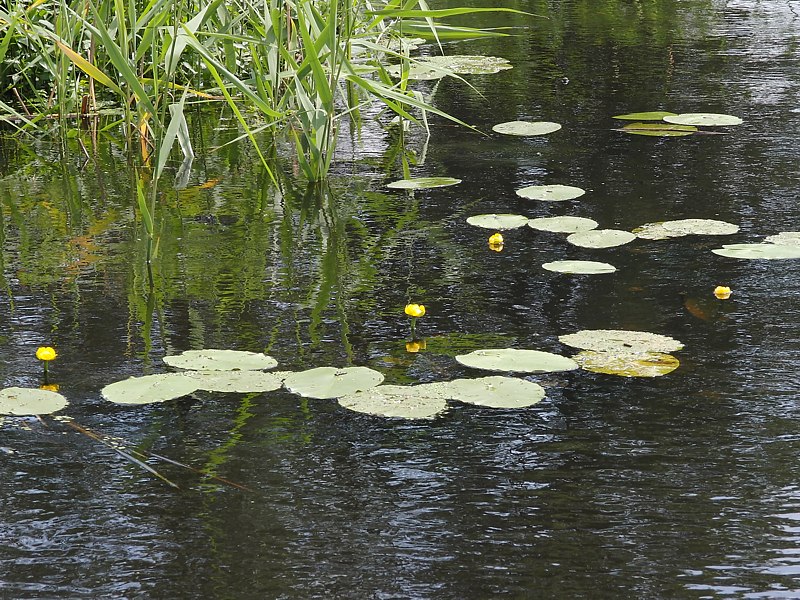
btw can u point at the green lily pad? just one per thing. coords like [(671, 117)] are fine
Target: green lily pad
[(655, 115), (627, 364), (494, 221), (220, 360), (236, 381), (619, 340), (600, 238), (423, 183), (759, 251), (516, 360), (436, 67), (706, 119), (20, 401), (658, 129), (423, 401), (579, 267), (495, 391), (562, 224), (654, 231), (550, 193), (149, 388), (785, 238), (526, 128), (330, 382), (700, 227)]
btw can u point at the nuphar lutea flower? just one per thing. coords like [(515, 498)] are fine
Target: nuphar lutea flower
[(722, 292), (415, 310), (415, 346), (46, 353)]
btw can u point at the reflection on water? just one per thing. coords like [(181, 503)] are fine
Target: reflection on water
[(677, 487)]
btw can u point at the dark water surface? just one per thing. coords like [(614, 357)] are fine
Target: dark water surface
[(683, 486)]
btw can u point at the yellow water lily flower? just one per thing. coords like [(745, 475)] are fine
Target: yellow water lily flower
[(46, 353), (415, 346), (722, 292), (495, 239), (415, 310)]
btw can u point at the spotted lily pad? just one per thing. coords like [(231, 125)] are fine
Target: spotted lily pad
[(785, 238), (579, 267), (526, 128), (658, 129), (20, 401), (620, 340), (149, 388), (759, 251), (600, 238), (330, 382), (627, 364), (565, 224), (423, 401), (655, 115), (706, 119), (495, 391), (517, 360), (700, 227), (654, 231), (550, 193), (436, 67), (494, 221), (236, 381), (423, 183), (220, 360)]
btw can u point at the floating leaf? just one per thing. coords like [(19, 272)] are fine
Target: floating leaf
[(526, 128), (494, 221), (600, 238), (654, 231), (423, 183), (495, 391), (516, 360), (30, 401), (655, 115), (785, 238), (658, 129), (220, 360), (579, 267), (550, 193), (707, 119), (562, 224), (149, 389), (627, 364), (619, 340), (436, 67), (759, 251), (700, 227), (330, 382), (236, 381), (423, 401)]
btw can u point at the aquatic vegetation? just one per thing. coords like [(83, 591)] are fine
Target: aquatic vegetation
[(620, 340), (423, 183), (722, 292), (579, 267), (495, 221), (330, 382), (526, 128), (550, 193), (627, 364), (220, 360), (564, 224), (600, 238), (703, 119), (516, 360), (423, 401), (653, 115), (19, 401), (415, 310)]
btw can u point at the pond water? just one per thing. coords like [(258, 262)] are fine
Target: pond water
[(682, 486)]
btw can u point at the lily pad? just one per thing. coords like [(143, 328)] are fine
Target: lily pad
[(600, 238), (654, 231), (220, 360), (707, 119), (423, 183), (20, 401), (620, 340), (526, 128), (655, 115), (627, 364), (658, 129), (579, 267), (423, 401), (330, 382), (550, 193), (494, 221), (785, 238), (495, 391), (562, 224), (759, 251), (436, 67), (700, 227), (150, 388), (235, 381), (516, 360)]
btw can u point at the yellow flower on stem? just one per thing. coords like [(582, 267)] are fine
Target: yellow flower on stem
[(722, 292), (415, 310), (46, 353), (496, 242)]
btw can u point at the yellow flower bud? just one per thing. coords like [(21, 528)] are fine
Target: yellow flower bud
[(722, 292), (415, 310), (46, 353), (495, 239)]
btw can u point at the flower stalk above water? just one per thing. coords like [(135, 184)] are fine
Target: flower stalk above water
[(46, 354), (414, 311)]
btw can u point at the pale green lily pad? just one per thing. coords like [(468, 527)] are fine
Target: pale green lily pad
[(655, 115), (620, 340), (495, 391), (526, 128), (501, 221), (423, 401), (19, 401), (423, 183), (706, 119), (579, 267), (785, 238), (149, 389), (562, 224), (436, 67), (550, 193), (759, 251), (700, 227), (654, 231), (235, 381), (220, 360), (516, 360), (658, 129), (601, 238), (330, 382), (627, 364)]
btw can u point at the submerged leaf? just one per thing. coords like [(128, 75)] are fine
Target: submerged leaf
[(149, 388), (601, 238), (655, 115), (620, 340), (562, 224), (423, 183), (526, 128), (579, 267), (220, 360), (494, 221), (330, 382), (550, 193), (627, 364), (707, 119), (423, 401), (516, 360), (20, 401), (495, 391), (765, 251)]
